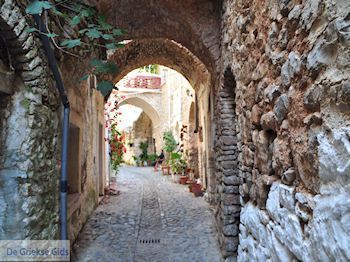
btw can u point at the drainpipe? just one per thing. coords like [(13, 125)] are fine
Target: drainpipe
[(59, 84)]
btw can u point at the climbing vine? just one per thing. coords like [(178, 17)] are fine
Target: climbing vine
[(84, 30)]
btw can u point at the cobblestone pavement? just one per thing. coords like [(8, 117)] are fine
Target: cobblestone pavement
[(153, 219)]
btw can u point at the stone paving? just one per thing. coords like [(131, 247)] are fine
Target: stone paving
[(153, 219)]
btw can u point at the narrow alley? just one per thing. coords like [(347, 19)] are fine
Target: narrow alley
[(152, 219), (244, 103)]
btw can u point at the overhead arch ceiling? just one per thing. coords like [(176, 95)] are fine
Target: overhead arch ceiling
[(160, 51), (195, 24)]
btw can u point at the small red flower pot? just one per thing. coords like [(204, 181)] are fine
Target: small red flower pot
[(183, 180), (197, 189)]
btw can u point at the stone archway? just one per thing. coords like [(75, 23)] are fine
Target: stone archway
[(195, 28), (165, 52), (152, 110), (147, 105)]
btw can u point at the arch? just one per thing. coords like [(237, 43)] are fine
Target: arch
[(151, 112), (160, 51), (175, 20)]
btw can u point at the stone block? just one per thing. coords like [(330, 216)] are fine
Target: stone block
[(229, 164), (231, 210), (232, 180), (230, 199), (289, 176), (269, 121), (231, 230), (231, 189), (313, 96), (343, 96), (281, 108), (313, 119)]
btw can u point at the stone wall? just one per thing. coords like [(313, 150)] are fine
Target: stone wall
[(29, 136), (87, 113), (291, 63), (226, 167)]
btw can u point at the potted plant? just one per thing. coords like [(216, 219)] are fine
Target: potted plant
[(197, 189), (169, 146), (178, 165), (136, 160), (169, 142), (190, 183), (151, 159), (144, 154)]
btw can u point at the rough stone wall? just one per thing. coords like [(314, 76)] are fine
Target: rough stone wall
[(30, 136), (291, 63), (29, 129), (227, 197)]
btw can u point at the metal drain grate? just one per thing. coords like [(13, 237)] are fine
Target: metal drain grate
[(149, 241)]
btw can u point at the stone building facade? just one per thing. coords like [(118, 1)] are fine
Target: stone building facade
[(271, 82)]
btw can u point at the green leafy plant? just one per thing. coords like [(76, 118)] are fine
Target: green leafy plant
[(169, 141), (152, 157), (177, 163), (136, 159), (153, 69), (144, 154), (91, 31)]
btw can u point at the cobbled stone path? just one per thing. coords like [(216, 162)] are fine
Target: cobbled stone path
[(153, 219)]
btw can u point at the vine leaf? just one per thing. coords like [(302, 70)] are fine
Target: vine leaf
[(84, 78), (75, 20), (101, 67), (105, 87), (93, 33), (103, 23), (37, 7), (70, 43), (51, 35), (87, 12), (117, 32), (111, 46), (31, 30), (107, 37)]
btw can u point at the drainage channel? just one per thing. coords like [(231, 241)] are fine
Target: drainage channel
[(149, 242)]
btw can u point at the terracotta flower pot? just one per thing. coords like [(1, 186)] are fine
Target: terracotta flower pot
[(190, 183), (196, 189), (183, 180)]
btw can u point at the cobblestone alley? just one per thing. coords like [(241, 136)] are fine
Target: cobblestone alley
[(153, 219)]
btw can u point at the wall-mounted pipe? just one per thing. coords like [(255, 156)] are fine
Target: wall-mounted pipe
[(65, 132)]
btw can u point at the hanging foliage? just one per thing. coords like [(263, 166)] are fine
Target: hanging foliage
[(90, 31)]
